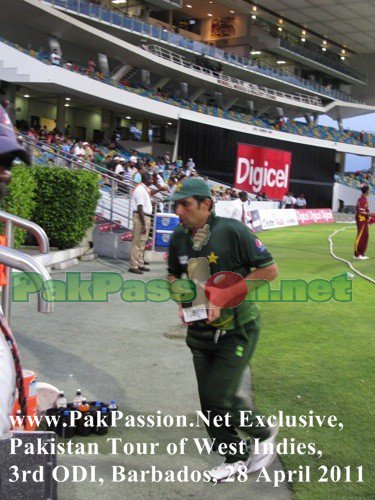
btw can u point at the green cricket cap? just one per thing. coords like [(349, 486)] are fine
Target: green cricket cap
[(191, 187)]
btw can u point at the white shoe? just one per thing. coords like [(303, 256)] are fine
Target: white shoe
[(264, 458), (225, 471), (361, 257)]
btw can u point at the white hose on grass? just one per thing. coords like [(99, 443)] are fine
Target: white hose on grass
[(344, 260)]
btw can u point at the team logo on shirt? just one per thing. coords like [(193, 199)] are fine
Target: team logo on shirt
[(260, 247)]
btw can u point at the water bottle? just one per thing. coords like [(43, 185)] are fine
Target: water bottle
[(78, 398), (84, 409), (65, 430), (60, 401), (111, 408), (104, 424)]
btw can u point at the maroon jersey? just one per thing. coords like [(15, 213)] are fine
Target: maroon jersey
[(362, 210)]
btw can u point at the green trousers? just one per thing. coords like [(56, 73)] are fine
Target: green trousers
[(219, 367)]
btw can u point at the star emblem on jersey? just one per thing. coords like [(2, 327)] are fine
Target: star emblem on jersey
[(201, 237), (212, 258)]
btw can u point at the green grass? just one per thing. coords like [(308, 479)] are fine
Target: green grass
[(319, 356)]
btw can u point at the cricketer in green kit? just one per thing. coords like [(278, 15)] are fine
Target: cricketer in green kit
[(223, 343)]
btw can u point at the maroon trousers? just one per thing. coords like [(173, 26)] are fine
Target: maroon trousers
[(362, 238)]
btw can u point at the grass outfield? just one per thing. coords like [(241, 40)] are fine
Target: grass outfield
[(319, 356)]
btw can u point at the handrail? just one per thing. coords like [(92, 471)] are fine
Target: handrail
[(227, 80), (142, 28), (30, 227), (14, 259), (10, 221)]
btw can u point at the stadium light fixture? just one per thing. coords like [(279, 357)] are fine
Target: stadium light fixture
[(128, 117), (209, 15), (279, 28), (281, 61), (324, 42), (231, 11), (343, 52), (324, 49), (169, 123), (26, 95), (67, 105), (303, 39), (255, 52), (67, 98), (118, 2), (255, 8), (342, 58), (281, 21), (253, 16), (189, 6), (303, 32)]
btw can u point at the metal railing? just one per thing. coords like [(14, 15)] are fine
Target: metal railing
[(147, 30), (115, 193), (234, 83), (21, 261)]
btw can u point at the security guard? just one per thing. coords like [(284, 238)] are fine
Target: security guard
[(224, 342)]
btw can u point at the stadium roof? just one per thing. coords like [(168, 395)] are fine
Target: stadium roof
[(346, 22)]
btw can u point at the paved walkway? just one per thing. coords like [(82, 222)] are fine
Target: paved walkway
[(124, 351)]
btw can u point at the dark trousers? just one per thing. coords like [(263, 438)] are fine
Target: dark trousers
[(219, 368), (362, 238)]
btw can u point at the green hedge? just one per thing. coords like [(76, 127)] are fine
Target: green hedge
[(20, 199), (61, 201)]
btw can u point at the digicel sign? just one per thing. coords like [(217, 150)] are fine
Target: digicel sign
[(263, 170)]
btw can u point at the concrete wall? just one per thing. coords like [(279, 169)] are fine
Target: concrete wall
[(349, 196)]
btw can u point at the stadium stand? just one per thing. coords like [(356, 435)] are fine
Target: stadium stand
[(291, 126)]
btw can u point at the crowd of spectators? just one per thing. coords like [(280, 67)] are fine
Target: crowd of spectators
[(289, 126), (357, 179)]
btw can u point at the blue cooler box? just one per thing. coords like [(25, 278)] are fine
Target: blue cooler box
[(162, 238), (166, 222)]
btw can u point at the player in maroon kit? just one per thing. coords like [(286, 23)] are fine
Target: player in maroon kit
[(362, 217)]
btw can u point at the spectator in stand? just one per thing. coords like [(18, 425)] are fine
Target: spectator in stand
[(134, 157), (301, 201), (70, 157), (280, 122), (190, 165), (167, 159), (79, 150), (55, 58), (119, 169), (132, 168), (43, 133), (179, 162), (137, 178), (91, 66), (89, 153), (99, 160), (227, 194), (288, 200)]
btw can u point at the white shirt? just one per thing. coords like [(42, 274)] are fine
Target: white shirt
[(79, 151), (55, 58), (133, 158), (119, 169), (301, 202), (141, 196), (287, 200)]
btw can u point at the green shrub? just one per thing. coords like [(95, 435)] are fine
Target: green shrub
[(65, 202), (20, 199)]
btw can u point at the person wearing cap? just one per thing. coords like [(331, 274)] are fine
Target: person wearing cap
[(10, 149), (222, 344)]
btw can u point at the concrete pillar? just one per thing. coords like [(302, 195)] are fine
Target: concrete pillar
[(61, 114), (103, 63), (184, 88), (340, 162), (107, 124), (219, 99), (315, 118), (163, 134), (10, 96), (145, 77), (145, 127), (121, 71), (251, 106), (307, 117), (340, 124)]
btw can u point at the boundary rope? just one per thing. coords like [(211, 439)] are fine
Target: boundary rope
[(344, 260)]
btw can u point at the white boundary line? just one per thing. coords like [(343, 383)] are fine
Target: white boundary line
[(343, 260)]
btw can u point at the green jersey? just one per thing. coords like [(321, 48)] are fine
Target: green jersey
[(230, 246)]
